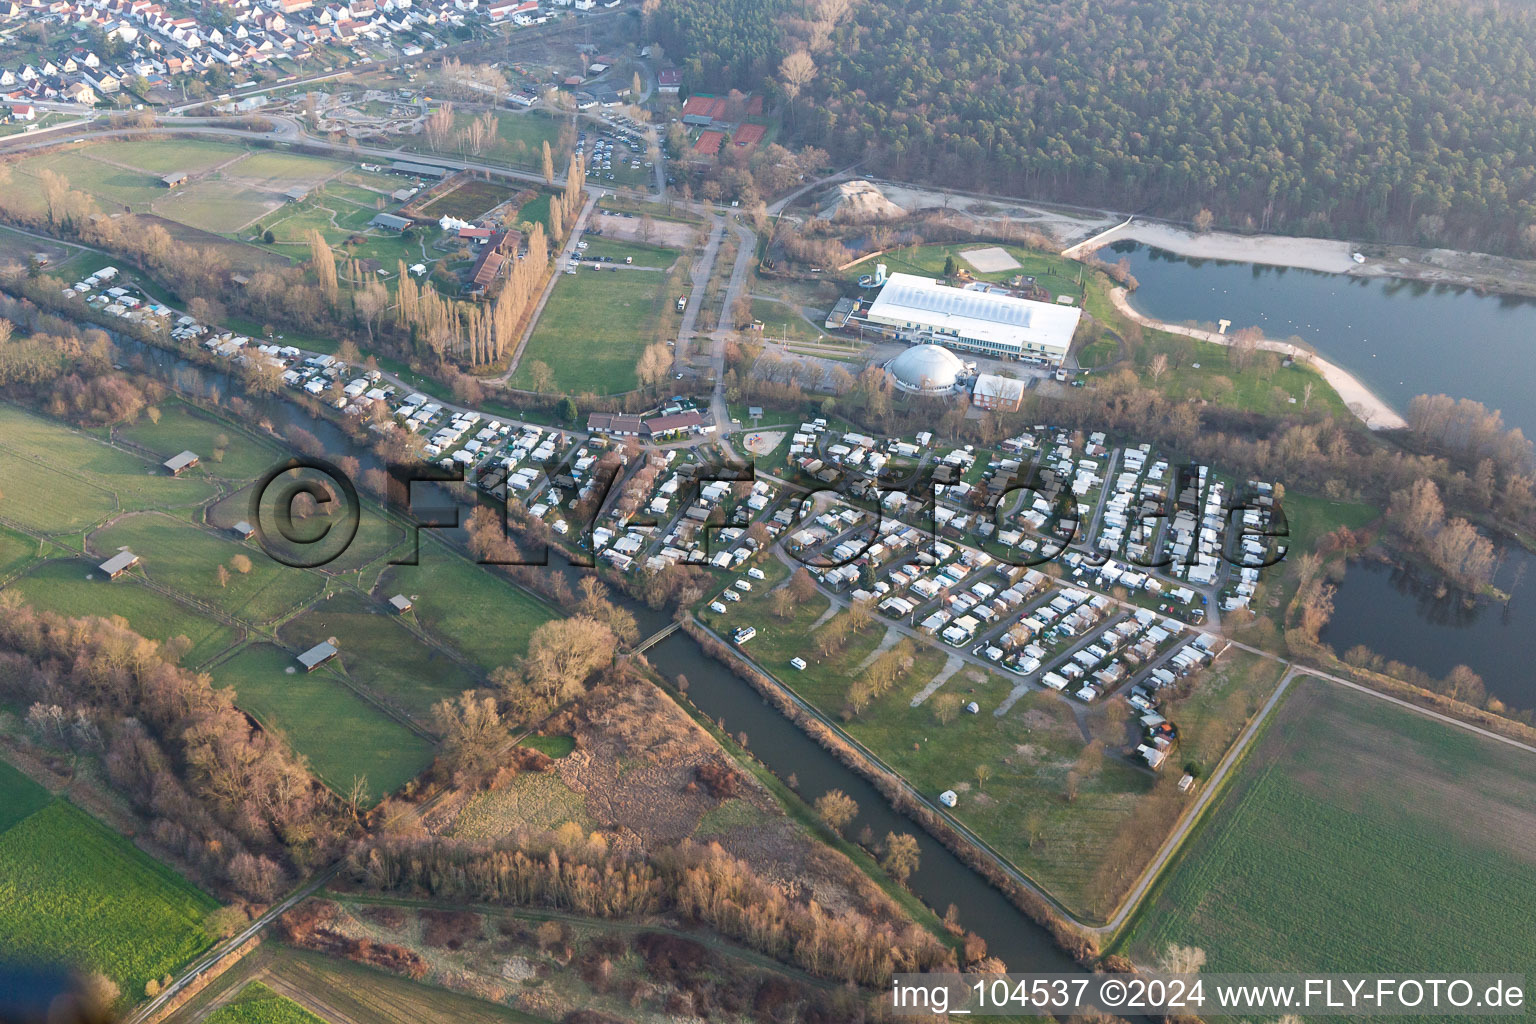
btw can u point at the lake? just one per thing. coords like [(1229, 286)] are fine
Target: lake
[(1376, 604), (1400, 338)]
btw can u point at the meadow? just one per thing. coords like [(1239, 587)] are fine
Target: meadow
[(71, 890), (115, 187), (258, 1004), (380, 654), (225, 451), (339, 733), (376, 534), (74, 588), (616, 249), (56, 480), (16, 550), (186, 558), (519, 139), (1356, 836), (469, 200), (486, 618), (594, 328)]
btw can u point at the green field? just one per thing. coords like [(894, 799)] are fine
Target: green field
[(216, 204), (469, 200), (232, 185), (483, 616), (616, 249), (379, 653), (56, 480), (257, 1004), (593, 330), (181, 428), (165, 155), (73, 891), (341, 734), (535, 211), (16, 550), (186, 559), (113, 186), (19, 796), (1357, 836), (1058, 276), (376, 535), (519, 139), (63, 586)]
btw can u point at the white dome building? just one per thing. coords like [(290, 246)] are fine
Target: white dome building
[(927, 370)]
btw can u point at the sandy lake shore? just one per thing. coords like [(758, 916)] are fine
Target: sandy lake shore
[(1327, 255), (1359, 399)]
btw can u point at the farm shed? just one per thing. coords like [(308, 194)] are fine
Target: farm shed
[(177, 463), (318, 655), (119, 564)]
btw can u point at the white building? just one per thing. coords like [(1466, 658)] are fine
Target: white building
[(990, 323)]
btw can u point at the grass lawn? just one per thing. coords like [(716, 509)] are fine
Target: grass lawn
[(16, 550), (216, 204), (278, 170), (225, 452), (62, 586), (784, 320), (593, 330), (535, 211), (467, 605), (379, 653), (186, 559), (340, 733), (1056, 275), (57, 480), (1308, 518), (555, 746), (469, 200), (114, 186), (257, 1004), (72, 890), (1357, 836), (1254, 389), (163, 155), (376, 535), (616, 249)]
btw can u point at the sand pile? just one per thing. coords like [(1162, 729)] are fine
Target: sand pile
[(859, 201)]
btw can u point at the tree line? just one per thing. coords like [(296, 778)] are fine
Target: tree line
[(220, 792), (701, 884)]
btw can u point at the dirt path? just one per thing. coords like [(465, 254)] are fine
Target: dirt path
[(954, 663), (892, 635)]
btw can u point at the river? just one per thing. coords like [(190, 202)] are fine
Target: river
[(941, 878), (1399, 338)]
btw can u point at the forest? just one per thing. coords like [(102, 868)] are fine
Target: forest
[(1410, 122)]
